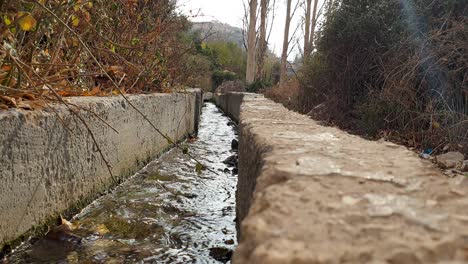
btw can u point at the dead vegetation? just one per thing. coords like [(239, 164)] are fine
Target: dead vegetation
[(84, 48), (286, 94), (394, 69)]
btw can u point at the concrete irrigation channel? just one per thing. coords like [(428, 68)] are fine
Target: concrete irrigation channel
[(304, 193), (49, 163), (165, 213)]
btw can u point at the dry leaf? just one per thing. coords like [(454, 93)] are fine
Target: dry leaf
[(69, 91), (3, 75), (75, 21), (25, 106), (69, 224), (3, 106), (95, 91), (37, 104), (27, 22), (7, 20), (63, 232), (6, 67), (8, 100), (28, 96), (87, 16), (115, 69), (102, 229)]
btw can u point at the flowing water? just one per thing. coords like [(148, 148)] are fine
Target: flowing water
[(166, 213)]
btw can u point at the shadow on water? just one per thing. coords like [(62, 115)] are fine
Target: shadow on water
[(166, 213)]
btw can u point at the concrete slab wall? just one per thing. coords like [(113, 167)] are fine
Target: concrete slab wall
[(49, 163), (207, 97), (230, 104), (314, 194)]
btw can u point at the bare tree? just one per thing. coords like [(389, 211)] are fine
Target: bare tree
[(307, 27), (245, 25), (262, 44), (312, 29), (310, 25), (271, 16), (286, 40), (251, 42)]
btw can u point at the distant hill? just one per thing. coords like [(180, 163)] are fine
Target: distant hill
[(217, 31)]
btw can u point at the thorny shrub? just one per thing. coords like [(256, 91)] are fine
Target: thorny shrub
[(137, 42), (394, 67)]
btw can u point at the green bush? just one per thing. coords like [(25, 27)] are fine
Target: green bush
[(219, 77), (259, 85)]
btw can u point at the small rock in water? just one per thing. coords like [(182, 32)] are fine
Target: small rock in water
[(450, 160), (3, 252), (229, 242), (235, 171), (221, 254), (230, 123), (231, 161), (235, 144), (190, 195), (63, 234)]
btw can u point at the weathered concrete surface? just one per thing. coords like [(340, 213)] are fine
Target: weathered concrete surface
[(46, 168), (314, 194), (230, 103), (208, 97)]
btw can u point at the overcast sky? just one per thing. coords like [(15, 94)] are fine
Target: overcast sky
[(232, 11)]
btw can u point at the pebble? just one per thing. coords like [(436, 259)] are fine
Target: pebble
[(235, 144), (450, 160), (221, 254), (229, 242)]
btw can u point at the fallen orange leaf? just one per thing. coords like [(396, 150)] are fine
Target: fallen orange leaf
[(37, 104), (25, 106), (26, 22), (28, 96), (6, 67), (95, 91), (64, 93), (8, 100)]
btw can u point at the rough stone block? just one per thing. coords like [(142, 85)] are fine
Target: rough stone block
[(314, 194)]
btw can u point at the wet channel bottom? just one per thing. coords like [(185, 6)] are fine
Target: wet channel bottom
[(166, 213)]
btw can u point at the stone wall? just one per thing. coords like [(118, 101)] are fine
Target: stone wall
[(230, 103), (314, 194), (48, 162)]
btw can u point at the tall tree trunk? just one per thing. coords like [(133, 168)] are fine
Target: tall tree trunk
[(284, 55), (262, 45), (312, 29), (251, 42), (307, 28)]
